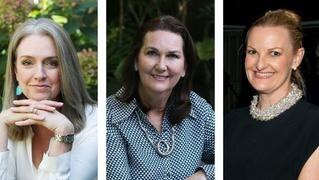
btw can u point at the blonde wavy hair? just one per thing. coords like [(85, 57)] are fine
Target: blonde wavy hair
[(72, 93)]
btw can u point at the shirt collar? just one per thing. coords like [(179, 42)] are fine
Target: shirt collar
[(127, 109)]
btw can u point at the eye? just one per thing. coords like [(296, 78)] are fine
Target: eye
[(26, 62), (251, 51), (275, 53), (51, 63), (151, 53), (174, 56)]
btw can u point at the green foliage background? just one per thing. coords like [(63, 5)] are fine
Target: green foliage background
[(78, 17), (126, 16)]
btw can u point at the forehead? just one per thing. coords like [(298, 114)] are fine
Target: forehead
[(163, 39), (36, 45), (269, 36)]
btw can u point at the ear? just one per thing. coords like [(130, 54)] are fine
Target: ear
[(298, 58)]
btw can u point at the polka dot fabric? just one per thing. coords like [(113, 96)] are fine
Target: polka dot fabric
[(130, 155)]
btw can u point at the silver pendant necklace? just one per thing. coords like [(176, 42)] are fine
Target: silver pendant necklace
[(276, 109), (167, 150)]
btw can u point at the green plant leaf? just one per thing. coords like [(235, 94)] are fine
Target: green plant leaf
[(205, 49), (59, 19)]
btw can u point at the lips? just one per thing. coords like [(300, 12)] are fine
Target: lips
[(40, 87), (160, 77), (263, 75)]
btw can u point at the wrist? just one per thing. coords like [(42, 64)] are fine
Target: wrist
[(64, 130)]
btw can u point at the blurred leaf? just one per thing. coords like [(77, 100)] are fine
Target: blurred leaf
[(91, 34), (118, 71), (59, 19), (205, 49), (86, 5), (72, 25), (34, 13)]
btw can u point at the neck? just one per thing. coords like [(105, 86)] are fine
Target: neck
[(154, 101), (268, 99)]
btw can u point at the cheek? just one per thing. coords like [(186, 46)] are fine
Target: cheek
[(22, 75), (284, 65), (248, 63), (54, 77)]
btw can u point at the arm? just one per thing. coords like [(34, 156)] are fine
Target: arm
[(81, 162), (7, 168), (116, 155), (310, 170), (117, 163), (85, 150), (7, 158), (55, 163), (207, 167)]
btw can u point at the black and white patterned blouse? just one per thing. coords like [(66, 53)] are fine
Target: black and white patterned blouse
[(132, 142)]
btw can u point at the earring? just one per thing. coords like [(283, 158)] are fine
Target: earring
[(135, 66), (18, 90), (183, 75)]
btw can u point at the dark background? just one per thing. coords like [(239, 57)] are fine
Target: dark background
[(242, 12), (238, 15)]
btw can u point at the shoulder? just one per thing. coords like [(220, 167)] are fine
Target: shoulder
[(89, 132), (200, 107), (310, 112), (242, 111), (91, 114), (236, 116), (117, 110)]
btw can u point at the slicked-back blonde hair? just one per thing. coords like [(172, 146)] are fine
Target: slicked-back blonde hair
[(292, 22), (72, 93)]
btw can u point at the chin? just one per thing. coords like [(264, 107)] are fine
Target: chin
[(39, 97)]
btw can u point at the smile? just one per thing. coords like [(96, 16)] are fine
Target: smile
[(40, 87), (160, 77), (263, 75)]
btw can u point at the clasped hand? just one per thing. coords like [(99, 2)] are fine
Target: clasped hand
[(30, 112)]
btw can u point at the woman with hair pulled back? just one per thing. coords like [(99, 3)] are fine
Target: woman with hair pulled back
[(277, 136), (157, 128)]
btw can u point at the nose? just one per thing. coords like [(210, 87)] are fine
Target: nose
[(161, 65), (40, 72), (261, 63)]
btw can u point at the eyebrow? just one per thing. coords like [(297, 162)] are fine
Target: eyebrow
[(169, 52), (267, 49), (28, 56)]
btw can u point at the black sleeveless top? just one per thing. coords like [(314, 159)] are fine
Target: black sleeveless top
[(272, 150)]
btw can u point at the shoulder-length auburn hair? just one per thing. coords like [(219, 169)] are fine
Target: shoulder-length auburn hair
[(72, 93), (179, 99)]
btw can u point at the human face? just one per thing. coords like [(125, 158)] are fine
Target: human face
[(37, 69), (160, 62), (270, 58)]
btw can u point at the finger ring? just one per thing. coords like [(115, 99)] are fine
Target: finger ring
[(34, 110)]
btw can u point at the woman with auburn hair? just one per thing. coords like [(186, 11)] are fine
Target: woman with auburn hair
[(48, 122)]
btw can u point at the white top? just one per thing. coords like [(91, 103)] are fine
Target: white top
[(79, 163)]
